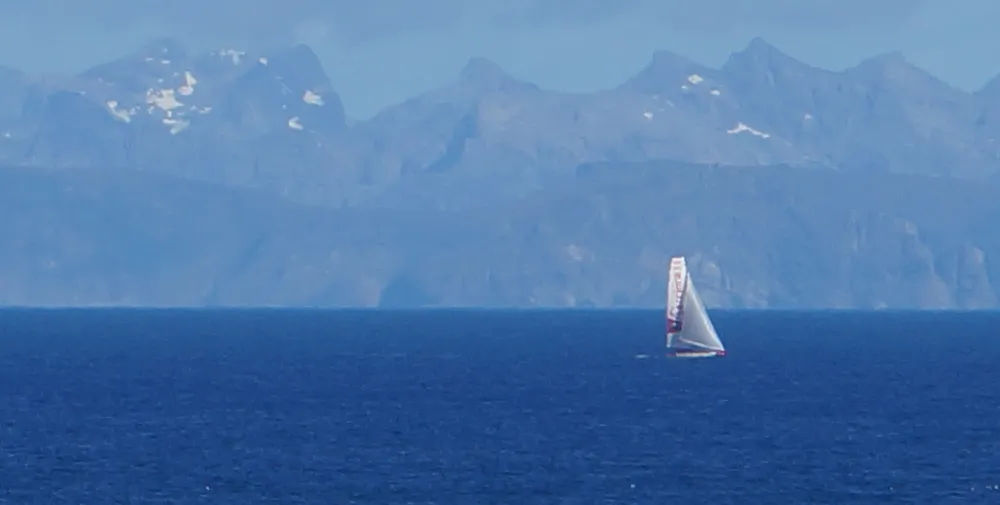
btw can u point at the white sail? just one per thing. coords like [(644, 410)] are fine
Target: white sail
[(688, 325)]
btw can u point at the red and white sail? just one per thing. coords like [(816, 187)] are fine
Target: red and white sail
[(689, 329)]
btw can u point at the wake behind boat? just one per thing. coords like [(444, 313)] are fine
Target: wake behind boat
[(690, 333)]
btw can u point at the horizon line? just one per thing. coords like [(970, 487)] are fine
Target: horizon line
[(755, 41), (462, 308)]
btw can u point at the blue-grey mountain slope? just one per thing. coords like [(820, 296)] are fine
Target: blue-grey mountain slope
[(273, 121), (268, 121), (229, 178), (100, 237), (756, 237)]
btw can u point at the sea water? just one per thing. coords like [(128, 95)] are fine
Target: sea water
[(477, 407)]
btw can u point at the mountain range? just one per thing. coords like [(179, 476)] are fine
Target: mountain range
[(230, 178)]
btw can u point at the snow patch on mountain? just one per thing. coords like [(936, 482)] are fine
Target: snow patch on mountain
[(176, 125), (189, 81), (165, 99), (235, 56), (122, 115), (312, 98), (743, 128)]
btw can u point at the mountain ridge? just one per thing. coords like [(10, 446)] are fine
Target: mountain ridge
[(234, 179), (207, 116)]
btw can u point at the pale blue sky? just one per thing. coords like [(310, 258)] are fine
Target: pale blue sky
[(380, 52)]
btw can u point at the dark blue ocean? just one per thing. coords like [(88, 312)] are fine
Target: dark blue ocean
[(460, 407)]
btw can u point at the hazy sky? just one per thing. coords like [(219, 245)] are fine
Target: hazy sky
[(379, 52)]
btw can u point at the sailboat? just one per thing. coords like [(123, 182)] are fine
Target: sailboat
[(690, 333)]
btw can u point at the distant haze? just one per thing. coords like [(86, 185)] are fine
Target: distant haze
[(381, 52), (205, 172)]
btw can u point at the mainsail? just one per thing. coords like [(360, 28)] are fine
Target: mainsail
[(688, 327)]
